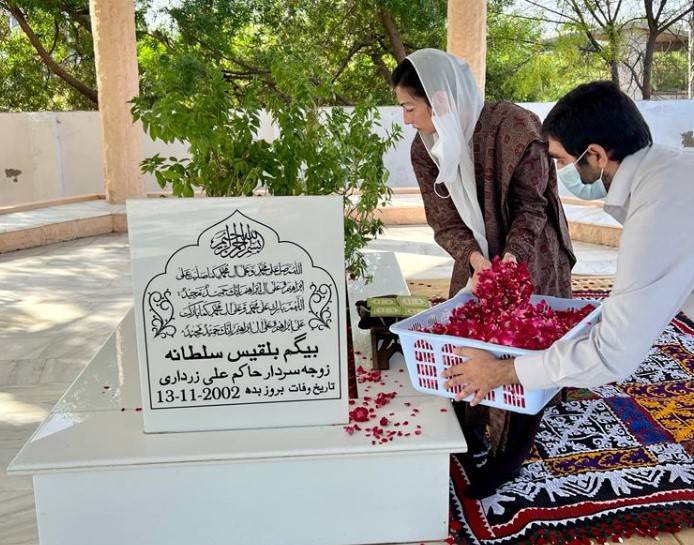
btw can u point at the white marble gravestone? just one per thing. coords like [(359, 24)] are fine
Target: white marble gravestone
[(240, 312)]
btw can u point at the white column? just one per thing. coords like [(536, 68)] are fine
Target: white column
[(467, 34), (115, 50)]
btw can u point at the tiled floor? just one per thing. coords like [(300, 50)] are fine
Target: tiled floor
[(59, 304), (411, 242), (57, 214), (95, 208)]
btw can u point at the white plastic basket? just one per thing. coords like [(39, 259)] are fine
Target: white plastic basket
[(427, 354)]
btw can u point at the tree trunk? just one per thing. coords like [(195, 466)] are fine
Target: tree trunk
[(647, 81), (398, 48), (614, 72)]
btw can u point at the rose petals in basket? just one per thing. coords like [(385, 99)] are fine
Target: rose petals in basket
[(504, 315)]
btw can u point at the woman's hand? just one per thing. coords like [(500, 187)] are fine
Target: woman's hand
[(478, 263), (509, 257)]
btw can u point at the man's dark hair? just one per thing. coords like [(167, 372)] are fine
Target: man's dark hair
[(598, 113), (406, 76)]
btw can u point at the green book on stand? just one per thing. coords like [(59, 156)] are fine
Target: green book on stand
[(402, 306)]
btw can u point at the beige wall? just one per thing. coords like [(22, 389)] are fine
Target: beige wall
[(59, 155)]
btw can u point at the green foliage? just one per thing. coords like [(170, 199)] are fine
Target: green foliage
[(524, 66), (343, 42), (26, 84), (670, 71), (319, 151)]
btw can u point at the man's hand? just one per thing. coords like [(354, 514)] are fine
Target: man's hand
[(480, 374)]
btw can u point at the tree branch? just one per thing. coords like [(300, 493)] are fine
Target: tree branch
[(660, 10), (398, 48), (648, 6), (81, 17), (53, 66), (382, 68), (634, 74), (345, 62), (56, 33), (555, 12), (587, 5), (159, 36), (528, 17), (667, 24), (586, 29)]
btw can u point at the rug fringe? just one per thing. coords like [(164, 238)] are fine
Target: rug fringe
[(610, 528)]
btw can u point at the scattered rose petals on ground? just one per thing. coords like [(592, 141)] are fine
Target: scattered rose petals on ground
[(383, 398), (363, 375), (360, 414), (370, 409)]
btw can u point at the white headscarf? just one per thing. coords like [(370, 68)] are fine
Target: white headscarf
[(456, 103)]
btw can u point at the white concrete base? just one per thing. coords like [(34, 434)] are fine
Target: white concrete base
[(99, 480), (301, 501)]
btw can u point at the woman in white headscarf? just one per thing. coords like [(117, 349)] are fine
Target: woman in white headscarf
[(489, 189)]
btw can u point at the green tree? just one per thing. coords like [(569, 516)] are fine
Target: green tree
[(319, 151), (353, 44), (670, 70), (524, 65), (48, 58), (47, 54)]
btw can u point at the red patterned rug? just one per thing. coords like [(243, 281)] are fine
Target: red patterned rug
[(609, 462)]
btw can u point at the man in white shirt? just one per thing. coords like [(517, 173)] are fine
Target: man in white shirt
[(600, 139)]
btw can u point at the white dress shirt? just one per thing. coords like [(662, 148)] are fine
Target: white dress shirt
[(652, 196)]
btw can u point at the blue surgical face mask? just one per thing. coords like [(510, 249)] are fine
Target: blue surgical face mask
[(571, 179)]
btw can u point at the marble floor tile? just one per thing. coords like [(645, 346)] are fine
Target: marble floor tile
[(77, 346), (22, 345), (17, 517), (14, 435), (6, 368), (62, 370), (22, 372), (419, 255), (15, 483), (17, 400)]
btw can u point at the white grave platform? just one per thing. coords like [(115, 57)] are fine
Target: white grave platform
[(99, 480)]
